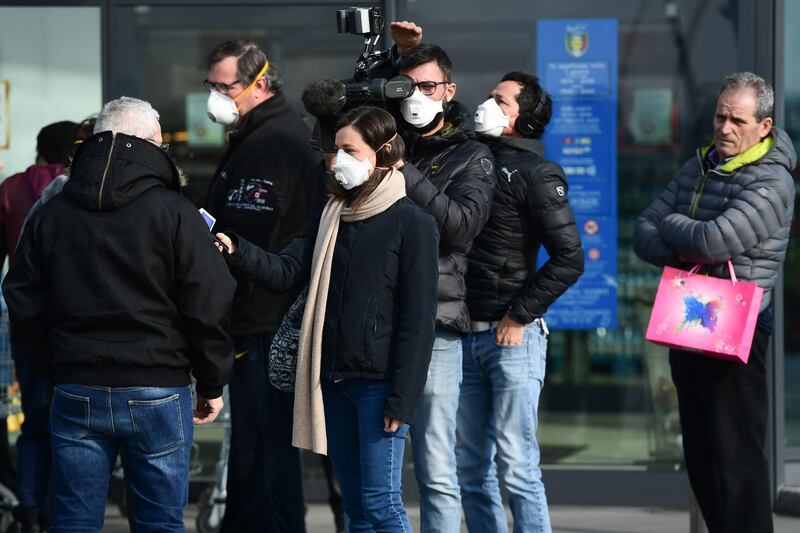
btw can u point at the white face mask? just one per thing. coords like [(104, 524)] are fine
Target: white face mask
[(419, 110), (490, 119), (222, 109), (349, 171)]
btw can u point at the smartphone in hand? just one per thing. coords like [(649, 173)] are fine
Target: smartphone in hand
[(210, 221), (209, 218)]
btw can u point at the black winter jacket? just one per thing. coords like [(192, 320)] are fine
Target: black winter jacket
[(530, 209), (263, 190), (117, 282), (452, 176), (381, 308)]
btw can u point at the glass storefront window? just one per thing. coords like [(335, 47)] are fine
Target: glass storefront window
[(791, 291), (608, 397)]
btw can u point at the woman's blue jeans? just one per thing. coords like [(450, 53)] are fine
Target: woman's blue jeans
[(368, 462)]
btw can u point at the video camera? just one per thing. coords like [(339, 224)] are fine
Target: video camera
[(374, 80)]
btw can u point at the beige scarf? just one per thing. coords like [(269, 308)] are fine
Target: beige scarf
[(309, 415)]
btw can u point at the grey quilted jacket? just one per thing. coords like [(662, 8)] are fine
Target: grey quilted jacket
[(739, 211)]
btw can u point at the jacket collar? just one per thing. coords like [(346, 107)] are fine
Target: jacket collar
[(456, 130), (513, 144), (263, 112), (749, 156)]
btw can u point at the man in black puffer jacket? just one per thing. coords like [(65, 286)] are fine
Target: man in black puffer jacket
[(504, 357), (452, 176)]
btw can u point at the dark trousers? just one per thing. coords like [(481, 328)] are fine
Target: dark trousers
[(265, 481), (723, 409), (33, 444)]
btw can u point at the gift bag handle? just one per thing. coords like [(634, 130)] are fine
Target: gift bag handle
[(695, 269), (732, 273)]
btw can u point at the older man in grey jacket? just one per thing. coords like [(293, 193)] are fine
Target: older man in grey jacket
[(733, 202)]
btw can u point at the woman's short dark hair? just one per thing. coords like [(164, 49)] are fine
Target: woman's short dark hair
[(378, 128), (528, 98), (250, 60)]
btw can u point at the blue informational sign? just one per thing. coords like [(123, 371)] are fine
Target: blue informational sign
[(577, 64)]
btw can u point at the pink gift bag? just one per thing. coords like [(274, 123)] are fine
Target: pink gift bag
[(712, 316)]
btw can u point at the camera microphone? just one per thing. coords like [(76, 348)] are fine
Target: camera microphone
[(325, 98)]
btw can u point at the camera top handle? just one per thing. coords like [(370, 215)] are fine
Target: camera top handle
[(369, 23)]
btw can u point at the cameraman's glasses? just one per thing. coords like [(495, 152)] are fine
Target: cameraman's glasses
[(429, 87)]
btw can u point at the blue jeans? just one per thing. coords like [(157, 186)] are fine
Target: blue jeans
[(264, 468), (33, 445), (433, 438), (150, 426), (497, 414), (368, 462)]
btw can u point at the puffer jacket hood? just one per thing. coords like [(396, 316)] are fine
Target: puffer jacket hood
[(783, 152), (110, 170)]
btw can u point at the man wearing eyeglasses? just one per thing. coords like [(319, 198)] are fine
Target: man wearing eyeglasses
[(261, 191), (452, 176)]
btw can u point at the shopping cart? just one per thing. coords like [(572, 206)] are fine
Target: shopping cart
[(211, 504)]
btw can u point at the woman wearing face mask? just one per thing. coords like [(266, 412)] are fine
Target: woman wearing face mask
[(370, 260)]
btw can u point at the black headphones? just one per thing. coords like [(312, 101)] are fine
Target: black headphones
[(527, 123)]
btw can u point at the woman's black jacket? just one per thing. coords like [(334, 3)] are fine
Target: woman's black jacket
[(381, 309)]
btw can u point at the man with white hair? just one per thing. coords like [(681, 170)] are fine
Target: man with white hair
[(118, 294)]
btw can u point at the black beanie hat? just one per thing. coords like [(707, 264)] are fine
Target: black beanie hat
[(55, 140)]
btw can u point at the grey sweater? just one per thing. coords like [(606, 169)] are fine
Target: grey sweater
[(739, 211)]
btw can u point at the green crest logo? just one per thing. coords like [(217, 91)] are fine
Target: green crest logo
[(576, 40)]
